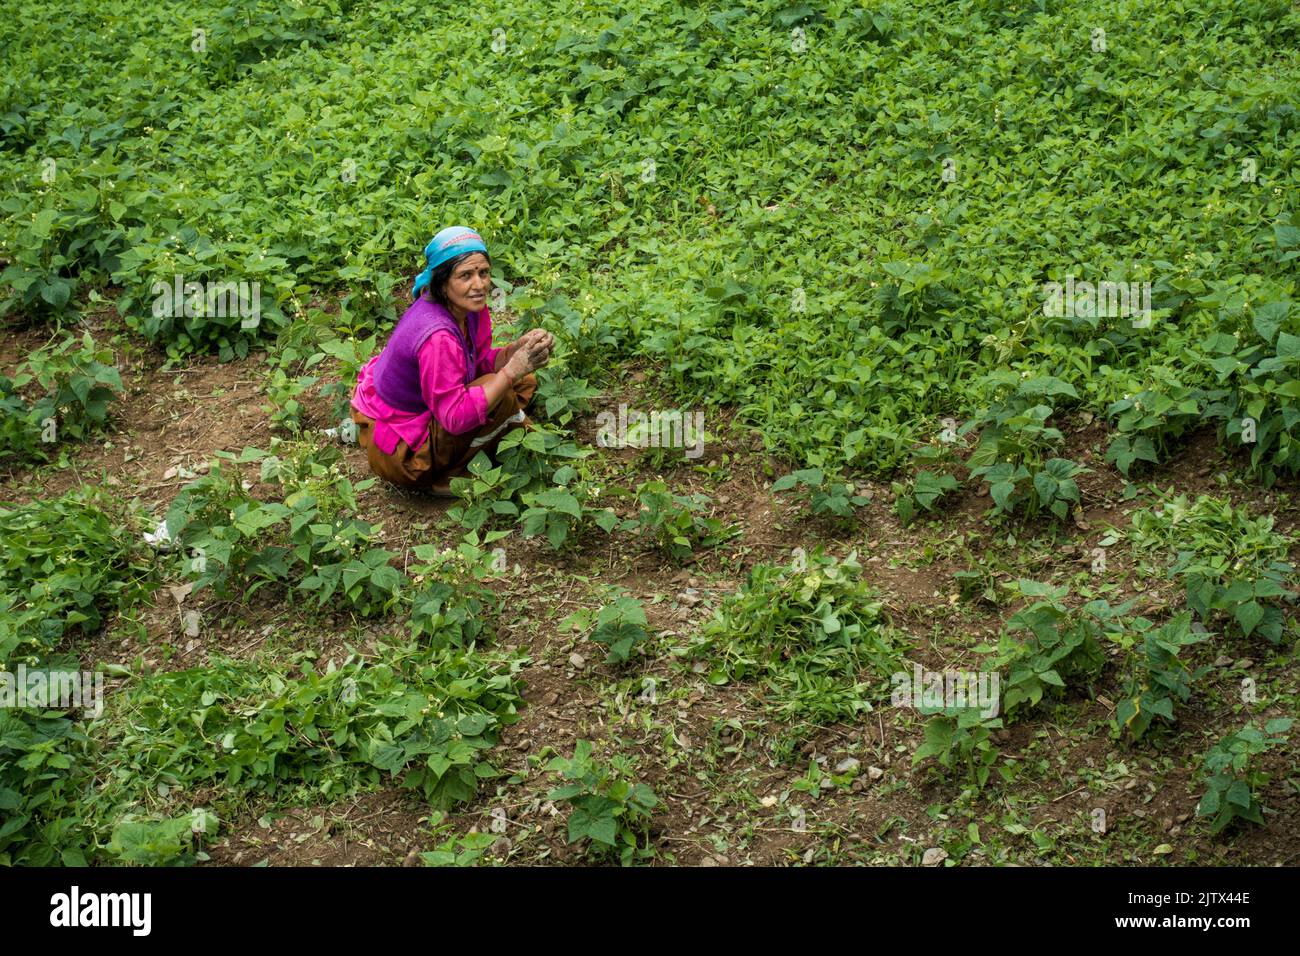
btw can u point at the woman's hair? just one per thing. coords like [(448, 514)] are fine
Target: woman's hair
[(438, 278)]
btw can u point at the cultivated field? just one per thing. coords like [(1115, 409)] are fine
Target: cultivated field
[(986, 553)]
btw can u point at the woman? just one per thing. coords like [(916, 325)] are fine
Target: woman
[(438, 393)]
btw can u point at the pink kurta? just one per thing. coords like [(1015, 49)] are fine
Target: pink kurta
[(459, 408)]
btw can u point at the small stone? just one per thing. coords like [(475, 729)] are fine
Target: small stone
[(1244, 664), (708, 861), (1223, 661), (934, 856), (847, 764), (577, 660), (859, 785), (875, 773), (690, 597)]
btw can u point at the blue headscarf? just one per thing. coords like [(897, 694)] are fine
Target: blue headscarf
[(447, 244)]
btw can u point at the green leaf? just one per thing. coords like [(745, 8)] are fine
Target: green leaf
[(1248, 615), (1239, 793)]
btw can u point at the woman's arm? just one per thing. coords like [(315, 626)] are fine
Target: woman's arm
[(457, 407)]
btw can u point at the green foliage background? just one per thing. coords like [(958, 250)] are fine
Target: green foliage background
[(822, 168)]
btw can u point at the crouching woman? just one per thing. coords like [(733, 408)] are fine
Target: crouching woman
[(439, 393)]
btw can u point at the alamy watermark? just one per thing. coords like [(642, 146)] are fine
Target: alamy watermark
[(75, 908), (669, 428), (53, 689), (194, 300), (937, 689), (1106, 299)]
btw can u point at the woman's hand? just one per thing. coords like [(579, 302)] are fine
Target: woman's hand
[(528, 338), (531, 355), (530, 351), (537, 337)]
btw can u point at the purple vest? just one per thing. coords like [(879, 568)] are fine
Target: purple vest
[(397, 370)]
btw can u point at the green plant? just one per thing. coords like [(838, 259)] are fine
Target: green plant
[(563, 395), (532, 467), (1052, 487), (554, 512), (620, 626), (349, 355), (285, 393), (168, 842), (806, 630), (531, 457), (71, 231), (1014, 448), (484, 493), (960, 737), (426, 716), (459, 849), (1159, 677), (449, 603), (925, 490), (1150, 421), (1063, 648), (1232, 563), (66, 565), (607, 807), (563, 510), (826, 495), (1232, 777), (1262, 405), (238, 543), (673, 522), (75, 383)]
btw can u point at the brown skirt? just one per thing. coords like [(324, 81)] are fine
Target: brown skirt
[(444, 456)]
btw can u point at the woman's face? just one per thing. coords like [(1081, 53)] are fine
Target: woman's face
[(471, 280)]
